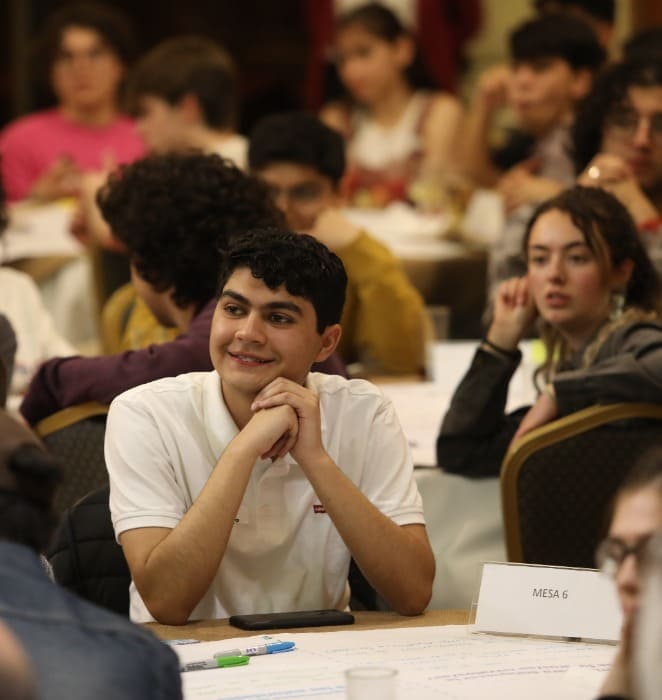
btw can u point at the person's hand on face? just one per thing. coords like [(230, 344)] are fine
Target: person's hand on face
[(612, 173), (307, 445), (514, 313), (62, 179), (493, 85)]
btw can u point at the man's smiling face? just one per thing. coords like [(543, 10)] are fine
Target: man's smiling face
[(259, 334)]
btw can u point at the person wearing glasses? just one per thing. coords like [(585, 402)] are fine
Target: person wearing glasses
[(647, 670), (302, 162), (617, 143), (635, 520)]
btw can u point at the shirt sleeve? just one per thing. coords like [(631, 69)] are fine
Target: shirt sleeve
[(388, 479), (475, 432), (143, 486), (69, 381)]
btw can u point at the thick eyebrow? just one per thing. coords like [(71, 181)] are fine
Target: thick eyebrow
[(568, 246), (272, 305)]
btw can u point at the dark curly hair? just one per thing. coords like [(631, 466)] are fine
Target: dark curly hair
[(645, 44), (306, 267), (609, 90), (176, 212), (297, 137)]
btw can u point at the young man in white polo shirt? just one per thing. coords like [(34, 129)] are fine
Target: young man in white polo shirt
[(247, 489)]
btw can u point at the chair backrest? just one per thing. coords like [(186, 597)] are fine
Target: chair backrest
[(85, 556), (558, 481), (75, 437)]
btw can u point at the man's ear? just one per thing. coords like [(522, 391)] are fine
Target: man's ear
[(330, 339), (581, 83), (405, 51)]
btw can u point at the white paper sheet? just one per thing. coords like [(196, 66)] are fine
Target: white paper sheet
[(37, 231), (432, 662)]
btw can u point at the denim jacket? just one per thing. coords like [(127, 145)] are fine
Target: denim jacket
[(76, 649)]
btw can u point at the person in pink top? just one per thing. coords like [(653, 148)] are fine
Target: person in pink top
[(85, 48)]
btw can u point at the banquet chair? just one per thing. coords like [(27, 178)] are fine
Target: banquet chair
[(558, 481), (75, 437)]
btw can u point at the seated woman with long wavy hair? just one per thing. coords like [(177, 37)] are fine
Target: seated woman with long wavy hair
[(596, 296)]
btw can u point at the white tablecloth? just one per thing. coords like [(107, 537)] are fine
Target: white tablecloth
[(463, 515)]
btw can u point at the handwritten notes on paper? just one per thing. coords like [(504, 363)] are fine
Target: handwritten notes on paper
[(432, 662)]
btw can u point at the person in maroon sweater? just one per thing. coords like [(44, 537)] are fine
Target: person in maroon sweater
[(174, 214)]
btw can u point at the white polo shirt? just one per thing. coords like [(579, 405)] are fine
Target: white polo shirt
[(163, 440)]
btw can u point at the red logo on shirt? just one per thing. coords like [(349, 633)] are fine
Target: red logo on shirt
[(319, 508)]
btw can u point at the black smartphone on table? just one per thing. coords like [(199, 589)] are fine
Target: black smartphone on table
[(298, 618)]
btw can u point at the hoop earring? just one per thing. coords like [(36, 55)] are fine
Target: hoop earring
[(617, 305)]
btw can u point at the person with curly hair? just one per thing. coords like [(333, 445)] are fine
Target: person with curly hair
[(248, 488), (174, 213), (617, 142)]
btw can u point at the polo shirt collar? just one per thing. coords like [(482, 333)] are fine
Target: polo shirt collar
[(219, 424)]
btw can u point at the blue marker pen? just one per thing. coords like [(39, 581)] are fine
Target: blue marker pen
[(259, 650)]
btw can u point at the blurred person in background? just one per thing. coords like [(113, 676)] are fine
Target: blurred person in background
[(400, 134), (301, 160), (552, 62), (76, 649), (85, 50), (617, 142), (635, 521), (596, 298)]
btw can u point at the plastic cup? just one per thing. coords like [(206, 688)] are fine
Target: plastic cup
[(371, 683)]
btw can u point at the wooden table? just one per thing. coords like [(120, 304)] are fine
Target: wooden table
[(210, 630)]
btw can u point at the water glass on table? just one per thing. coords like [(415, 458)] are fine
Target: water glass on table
[(371, 683)]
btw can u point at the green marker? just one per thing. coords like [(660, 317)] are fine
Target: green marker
[(220, 662)]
